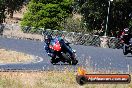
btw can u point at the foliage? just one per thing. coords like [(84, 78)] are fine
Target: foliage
[(47, 14), (72, 24), (95, 12), (13, 5), (53, 13), (2, 10), (9, 6)]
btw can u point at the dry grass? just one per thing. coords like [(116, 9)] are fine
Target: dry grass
[(8, 56), (17, 15), (48, 79), (20, 34)]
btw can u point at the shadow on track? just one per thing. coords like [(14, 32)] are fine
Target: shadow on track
[(128, 56), (65, 64)]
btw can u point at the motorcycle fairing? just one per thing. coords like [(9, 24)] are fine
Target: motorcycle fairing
[(55, 45)]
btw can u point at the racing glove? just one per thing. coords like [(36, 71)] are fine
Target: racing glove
[(51, 54)]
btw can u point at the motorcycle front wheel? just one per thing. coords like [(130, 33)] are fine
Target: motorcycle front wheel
[(68, 59), (54, 60)]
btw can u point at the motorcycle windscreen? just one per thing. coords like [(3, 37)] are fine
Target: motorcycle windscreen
[(57, 46)]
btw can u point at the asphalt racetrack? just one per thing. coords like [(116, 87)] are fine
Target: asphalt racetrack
[(88, 56)]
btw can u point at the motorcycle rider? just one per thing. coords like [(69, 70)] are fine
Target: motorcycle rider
[(51, 52), (126, 36)]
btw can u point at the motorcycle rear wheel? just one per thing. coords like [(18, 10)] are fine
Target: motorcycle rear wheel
[(74, 62), (125, 52)]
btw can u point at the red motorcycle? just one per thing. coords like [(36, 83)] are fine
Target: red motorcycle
[(62, 53)]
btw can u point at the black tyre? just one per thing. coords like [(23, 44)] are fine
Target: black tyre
[(74, 62), (54, 61), (69, 60), (81, 80), (65, 57), (125, 51)]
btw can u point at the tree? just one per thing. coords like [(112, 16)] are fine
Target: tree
[(13, 5), (47, 13), (2, 10), (94, 14), (9, 7)]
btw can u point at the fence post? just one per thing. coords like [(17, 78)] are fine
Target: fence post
[(104, 41)]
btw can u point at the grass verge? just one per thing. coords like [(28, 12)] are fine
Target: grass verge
[(48, 79), (19, 34), (8, 56)]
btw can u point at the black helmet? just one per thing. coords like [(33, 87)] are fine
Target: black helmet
[(48, 38)]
